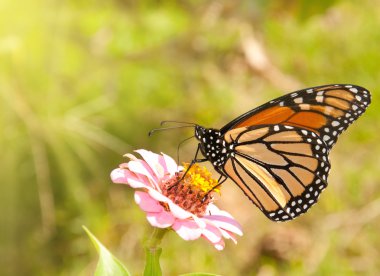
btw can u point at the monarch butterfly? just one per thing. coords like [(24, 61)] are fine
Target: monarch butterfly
[(278, 153)]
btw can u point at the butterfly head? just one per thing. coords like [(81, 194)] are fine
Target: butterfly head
[(199, 132), (212, 145), (206, 135)]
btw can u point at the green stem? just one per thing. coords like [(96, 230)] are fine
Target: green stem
[(153, 252)]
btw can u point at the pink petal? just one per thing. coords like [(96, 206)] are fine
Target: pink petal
[(122, 176), (130, 156), (123, 166), (147, 203), (152, 159), (219, 245), (212, 233), (178, 212), (226, 223), (228, 235), (214, 210), (187, 230), (157, 195), (140, 167), (118, 176), (162, 220), (171, 165), (166, 172), (199, 221)]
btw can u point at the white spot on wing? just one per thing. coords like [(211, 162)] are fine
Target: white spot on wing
[(326, 137), (319, 99), (354, 90)]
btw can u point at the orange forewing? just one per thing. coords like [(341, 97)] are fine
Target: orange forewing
[(285, 115), (273, 115)]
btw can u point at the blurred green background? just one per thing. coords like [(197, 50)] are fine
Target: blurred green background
[(82, 82)]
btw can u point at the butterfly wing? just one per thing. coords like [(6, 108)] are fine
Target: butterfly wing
[(326, 110), (280, 156), (282, 169)]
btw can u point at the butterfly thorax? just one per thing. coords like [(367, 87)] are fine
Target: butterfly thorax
[(213, 146)]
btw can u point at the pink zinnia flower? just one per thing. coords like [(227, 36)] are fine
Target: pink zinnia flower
[(186, 206)]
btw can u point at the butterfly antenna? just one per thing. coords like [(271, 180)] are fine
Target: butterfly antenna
[(166, 128), (177, 122), (180, 144)]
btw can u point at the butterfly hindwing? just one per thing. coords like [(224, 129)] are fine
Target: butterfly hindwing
[(282, 169)]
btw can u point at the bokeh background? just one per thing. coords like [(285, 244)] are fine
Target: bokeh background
[(82, 82)]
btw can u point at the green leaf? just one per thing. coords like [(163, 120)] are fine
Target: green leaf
[(108, 265)]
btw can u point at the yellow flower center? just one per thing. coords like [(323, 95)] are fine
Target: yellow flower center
[(199, 177)]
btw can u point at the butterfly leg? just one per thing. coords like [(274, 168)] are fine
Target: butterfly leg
[(195, 160), (220, 182)]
